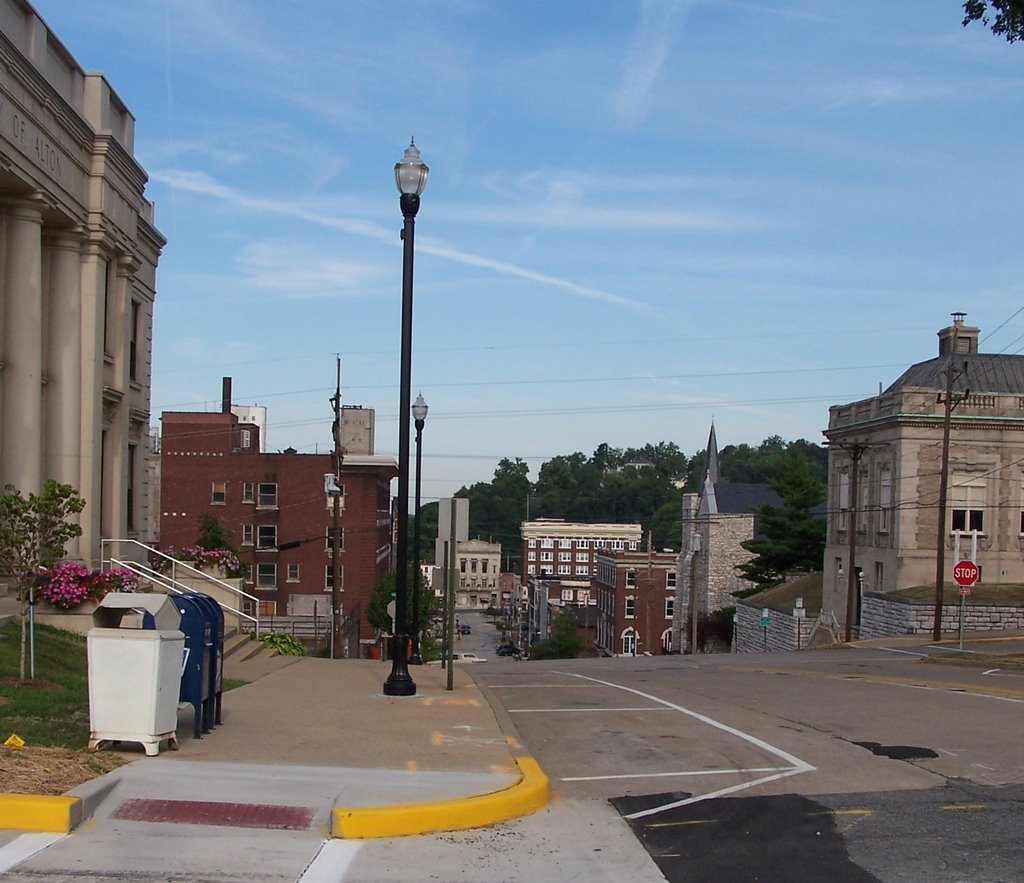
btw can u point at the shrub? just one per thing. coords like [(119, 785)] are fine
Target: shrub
[(286, 645)]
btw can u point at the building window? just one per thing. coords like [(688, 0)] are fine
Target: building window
[(547, 543), (967, 503), (844, 498), (884, 497), (879, 574), (582, 556), (247, 535), (864, 501), (566, 594), (266, 576), (329, 539), (462, 565), (247, 491), (133, 343), (329, 577), (130, 489), (547, 556), (670, 606), (618, 545), (582, 544), (531, 544), (532, 556), (630, 607), (472, 565), (564, 570), (583, 596), (267, 495), (565, 556), (629, 643), (266, 536), (219, 493), (670, 579), (582, 570), (483, 566), (630, 579), (563, 543), (293, 573), (632, 545), (599, 544), (245, 438), (531, 569)]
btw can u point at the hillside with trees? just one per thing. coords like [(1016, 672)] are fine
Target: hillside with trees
[(617, 485)]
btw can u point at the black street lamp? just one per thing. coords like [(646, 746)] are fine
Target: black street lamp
[(419, 417), (411, 178)]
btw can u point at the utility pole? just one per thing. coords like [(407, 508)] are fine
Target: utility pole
[(336, 612), (855, 450), (950, 402)]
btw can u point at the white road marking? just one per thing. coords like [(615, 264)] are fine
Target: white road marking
[(766, 769), (998, 672), (798, 766), (545, 686), (897, 650), (24, 847), (331, 862), (572, 710)]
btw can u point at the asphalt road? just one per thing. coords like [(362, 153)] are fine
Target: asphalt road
[(853, 764)]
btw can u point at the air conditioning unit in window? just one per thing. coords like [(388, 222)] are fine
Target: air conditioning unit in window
[(331, 487)]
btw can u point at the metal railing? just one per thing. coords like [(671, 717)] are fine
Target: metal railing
[(167, 578)]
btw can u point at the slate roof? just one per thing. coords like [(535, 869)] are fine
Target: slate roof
[(739, 499), (992, 373)]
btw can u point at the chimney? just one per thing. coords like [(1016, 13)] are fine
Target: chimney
[(225, 395), (958, 337)]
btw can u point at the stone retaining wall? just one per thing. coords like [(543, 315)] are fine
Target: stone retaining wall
[(883, 616), (784, 632)]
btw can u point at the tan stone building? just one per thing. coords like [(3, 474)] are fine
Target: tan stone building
[(894, 440), (479, 564), (715, 524), (78, 256)]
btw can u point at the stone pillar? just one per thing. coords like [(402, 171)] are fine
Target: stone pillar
[(21, 423), (63, 394), (94, 282)]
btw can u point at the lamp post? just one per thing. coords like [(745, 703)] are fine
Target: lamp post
[(419, 417), (410, 178)]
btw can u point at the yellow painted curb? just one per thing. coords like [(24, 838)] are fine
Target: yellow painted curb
[(527, 795), (29, 812)]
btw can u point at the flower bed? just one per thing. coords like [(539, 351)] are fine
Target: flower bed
[(201, 558), (70, 584)]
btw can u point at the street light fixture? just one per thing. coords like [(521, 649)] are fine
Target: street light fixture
[(410, 178), (419, 417)]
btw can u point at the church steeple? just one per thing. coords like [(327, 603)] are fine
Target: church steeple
[(711, 458)]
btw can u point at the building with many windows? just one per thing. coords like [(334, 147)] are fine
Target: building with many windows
[(78, 257), (552, 547), (479, 564), (636, 596), (278, 512), (894, 441)]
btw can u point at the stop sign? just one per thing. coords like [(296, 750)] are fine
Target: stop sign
[(965, 573)]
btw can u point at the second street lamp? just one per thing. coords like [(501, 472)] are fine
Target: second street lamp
[(419, 417), (411, 178)]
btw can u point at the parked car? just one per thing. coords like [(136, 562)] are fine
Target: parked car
[(509, 650), (464, 656), (465, 630)]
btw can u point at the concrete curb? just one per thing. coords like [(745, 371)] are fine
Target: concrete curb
[(31, 812), (527, 795)]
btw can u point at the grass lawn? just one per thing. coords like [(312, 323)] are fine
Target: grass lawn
[(53, 710)]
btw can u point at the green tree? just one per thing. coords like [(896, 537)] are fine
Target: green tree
[(1007, 17), (384, 593), (792, 538), (213, 533), (497, 508), (34, 532), (564, 642)]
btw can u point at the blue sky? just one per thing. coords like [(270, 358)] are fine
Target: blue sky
[(641, 215)]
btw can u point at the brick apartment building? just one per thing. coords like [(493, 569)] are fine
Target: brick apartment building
[(556, 548), (278, 513), (636, 594)]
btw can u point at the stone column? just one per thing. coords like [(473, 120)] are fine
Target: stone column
[(21, 423), (94, 276), (63, 394)]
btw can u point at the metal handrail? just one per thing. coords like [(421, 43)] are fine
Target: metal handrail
[(171, 583)]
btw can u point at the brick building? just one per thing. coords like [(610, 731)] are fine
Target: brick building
[(636, 594), (278, 513)]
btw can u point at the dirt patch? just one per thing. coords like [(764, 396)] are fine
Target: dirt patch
[(52, 771)]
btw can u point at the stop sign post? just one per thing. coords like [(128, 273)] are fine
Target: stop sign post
[(965, 575)]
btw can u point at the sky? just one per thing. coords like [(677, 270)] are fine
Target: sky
[(642, 216)]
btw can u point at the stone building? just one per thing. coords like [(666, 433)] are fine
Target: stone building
[(479, 564), (78, 257), (895, 442), (715, 524)]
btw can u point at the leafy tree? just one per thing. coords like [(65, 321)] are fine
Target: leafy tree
[(793, 538), (564, 642), (496, 508), (1007, 19), (384, 593), (34, 533), (213, 533)]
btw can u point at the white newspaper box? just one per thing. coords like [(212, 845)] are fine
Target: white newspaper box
[(134, 654)]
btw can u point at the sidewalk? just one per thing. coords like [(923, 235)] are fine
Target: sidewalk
[(315, 743)]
